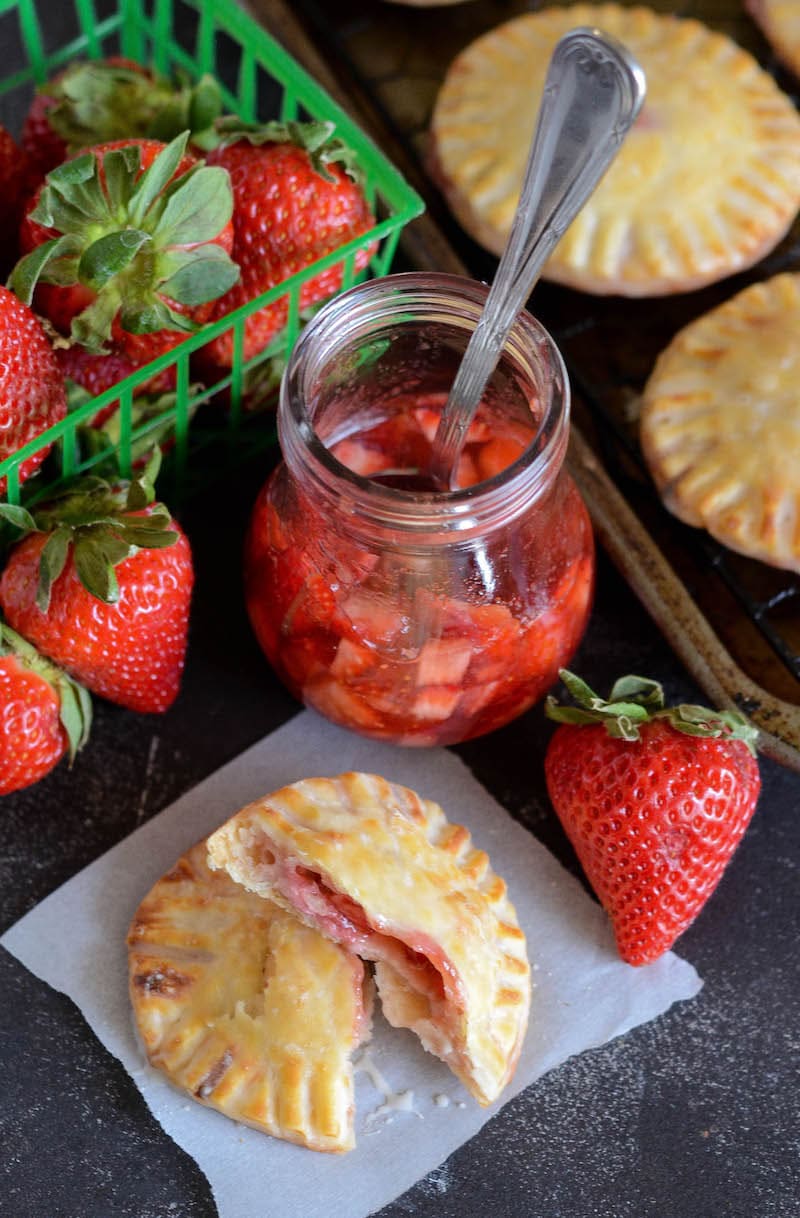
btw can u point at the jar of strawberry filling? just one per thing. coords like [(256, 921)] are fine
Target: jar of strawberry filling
[(401, 611)]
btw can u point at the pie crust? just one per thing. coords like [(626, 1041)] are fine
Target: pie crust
[(706, 183), (380, 869), (780, 23), (720, 422), (245, 1008)]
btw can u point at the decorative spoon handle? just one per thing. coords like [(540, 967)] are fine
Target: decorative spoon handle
[(593, 92)]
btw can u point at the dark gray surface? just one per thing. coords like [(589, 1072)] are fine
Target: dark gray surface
[(693, 1116)]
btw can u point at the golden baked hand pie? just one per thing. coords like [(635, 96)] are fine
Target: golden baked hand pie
[(382, 871), (720, 422), (246, 1008), (706, 183), (780, 21)]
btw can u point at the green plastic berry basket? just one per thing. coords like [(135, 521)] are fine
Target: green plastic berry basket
[(259, 80)]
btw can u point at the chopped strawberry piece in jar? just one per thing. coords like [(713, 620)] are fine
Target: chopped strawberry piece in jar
[(399, 610)]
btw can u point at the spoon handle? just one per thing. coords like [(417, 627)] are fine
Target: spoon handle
[(593, 92)]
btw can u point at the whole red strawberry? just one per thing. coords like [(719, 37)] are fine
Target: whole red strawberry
[(32, 396), (128, 246), (654, 801), (113, 99), (297, 197), (43, 714), (102, 585)]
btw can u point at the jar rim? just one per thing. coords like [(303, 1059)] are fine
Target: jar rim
[(522, 480)]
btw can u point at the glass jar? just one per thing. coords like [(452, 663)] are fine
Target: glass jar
[(405, 613)]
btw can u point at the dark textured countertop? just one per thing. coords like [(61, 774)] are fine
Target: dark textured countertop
[(694, 1115)]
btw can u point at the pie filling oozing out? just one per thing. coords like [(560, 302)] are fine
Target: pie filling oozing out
[(418, 985)]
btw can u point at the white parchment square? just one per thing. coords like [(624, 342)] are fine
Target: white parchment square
[(584, 995)]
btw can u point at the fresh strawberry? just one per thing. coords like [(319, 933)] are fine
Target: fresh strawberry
[(654, 801), (296, 198), (113, 99), (128, 244), (43, 714), (102, 585), (32, 396)]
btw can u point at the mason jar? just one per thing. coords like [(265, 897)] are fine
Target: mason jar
[(402, 611)]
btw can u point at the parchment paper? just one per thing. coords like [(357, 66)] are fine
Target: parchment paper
[(584, 995)]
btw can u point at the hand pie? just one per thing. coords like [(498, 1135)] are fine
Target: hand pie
[(381, 871), (780, 22), (705, 184), (720, 422), (246, 1008)]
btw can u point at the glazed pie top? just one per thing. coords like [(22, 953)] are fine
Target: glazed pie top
[(382, 871), (706, 183), (246, 1008), (780, 21), (720, 423)]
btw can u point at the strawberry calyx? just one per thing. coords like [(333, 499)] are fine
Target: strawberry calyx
[(75, 705), (634, 701), (140, 242), (316, 138), (97, 102), (101, 524)]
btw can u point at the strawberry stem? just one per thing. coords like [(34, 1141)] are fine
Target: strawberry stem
[(634, 701)]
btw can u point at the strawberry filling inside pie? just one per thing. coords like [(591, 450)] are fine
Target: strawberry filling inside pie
[(419, 985), (342, 919)]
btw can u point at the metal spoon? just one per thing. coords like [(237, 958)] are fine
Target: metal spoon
[(593, 93)]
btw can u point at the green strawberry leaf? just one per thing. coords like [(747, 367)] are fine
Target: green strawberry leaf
[(73, 172), (96, 575), (62, 271), (75, 714), (52, 561), (205, 104), (18, 516), (28, 271), (198, 210), (147, 539), (154, 315), (199, 276), (120, 166), (156, 178), (141, 491), (92, 327), (638, 689), (109, 255), (579, 690)]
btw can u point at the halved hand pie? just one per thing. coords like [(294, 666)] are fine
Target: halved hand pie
[(246, 1008), (720, 422), (705, 184), (382, 872)]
